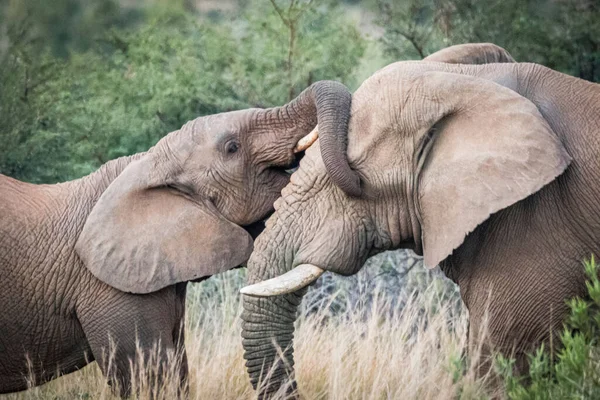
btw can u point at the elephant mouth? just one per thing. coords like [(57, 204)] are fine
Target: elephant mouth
[(293, 166), (292, 159), (300, 148), (257, 227)]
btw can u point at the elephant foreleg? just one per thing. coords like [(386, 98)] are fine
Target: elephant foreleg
[(138, 344), (179, 341)]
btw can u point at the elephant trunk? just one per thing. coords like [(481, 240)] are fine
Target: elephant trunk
[(268, 323), (268, 331), (328, 104)]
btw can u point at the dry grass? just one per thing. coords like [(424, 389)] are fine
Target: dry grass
[(401, 345)]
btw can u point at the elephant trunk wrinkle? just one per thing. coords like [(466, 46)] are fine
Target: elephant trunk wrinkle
[(267, 337)]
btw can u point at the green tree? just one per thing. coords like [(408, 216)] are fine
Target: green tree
[(560, 34), (64, 26), (563, 35), (284, 46), (24, 74), (411, 27)]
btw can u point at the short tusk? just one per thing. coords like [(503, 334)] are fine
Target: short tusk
[(307, 140), (292, 281)]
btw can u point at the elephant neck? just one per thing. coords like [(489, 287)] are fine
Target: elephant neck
[(396, 213)]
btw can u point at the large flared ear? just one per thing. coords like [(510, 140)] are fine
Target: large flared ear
[(143, 234), (490, 149)]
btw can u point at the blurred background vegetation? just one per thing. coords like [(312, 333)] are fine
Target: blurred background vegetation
[(86, 81)]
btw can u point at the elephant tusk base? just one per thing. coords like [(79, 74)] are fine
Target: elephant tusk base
[(292, 281), (307, 140)]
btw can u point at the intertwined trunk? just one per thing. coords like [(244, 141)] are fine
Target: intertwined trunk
[(268, 327), (326, 103)]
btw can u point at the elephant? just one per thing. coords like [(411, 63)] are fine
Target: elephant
[(490, 171), (101, 263)]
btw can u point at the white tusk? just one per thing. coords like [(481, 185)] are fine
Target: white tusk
[(307, 140), (292, 281)]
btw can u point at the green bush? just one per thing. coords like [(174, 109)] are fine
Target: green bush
[(574, 373)]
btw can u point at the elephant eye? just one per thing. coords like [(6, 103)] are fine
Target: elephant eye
[(232, 147)]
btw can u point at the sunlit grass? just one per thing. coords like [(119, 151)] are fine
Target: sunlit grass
[(365, 337)]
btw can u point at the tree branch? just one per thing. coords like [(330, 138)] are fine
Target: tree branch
[(280, 12)]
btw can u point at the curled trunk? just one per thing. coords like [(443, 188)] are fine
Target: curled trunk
[(268, 323), (326, 103)]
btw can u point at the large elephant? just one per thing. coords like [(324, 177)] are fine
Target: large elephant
[(491, 171), (108, 256)]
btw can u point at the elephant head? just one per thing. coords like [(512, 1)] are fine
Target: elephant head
[(176, 212), (438, 149)]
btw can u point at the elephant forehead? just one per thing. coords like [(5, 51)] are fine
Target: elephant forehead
[(214, 126)]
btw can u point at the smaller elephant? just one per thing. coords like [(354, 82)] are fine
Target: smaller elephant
[(100, 264), (490, 171)]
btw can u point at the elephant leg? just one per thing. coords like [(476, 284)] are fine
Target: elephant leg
[(483, 348), (179, 340), (135, 339)]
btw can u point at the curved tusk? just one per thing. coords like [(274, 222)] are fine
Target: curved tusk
[(307, 140), (292, 281)]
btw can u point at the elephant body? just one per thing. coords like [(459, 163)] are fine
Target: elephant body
[(56, 316), (97, 268), (491, 171), (528, 258)]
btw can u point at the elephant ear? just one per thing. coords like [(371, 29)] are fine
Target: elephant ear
[(491, 150), (143, 235)]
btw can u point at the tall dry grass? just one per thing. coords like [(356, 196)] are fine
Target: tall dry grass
[(390, 332)]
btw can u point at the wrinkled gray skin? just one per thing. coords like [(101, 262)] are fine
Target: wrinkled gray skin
[(108, 255), (491, 171)]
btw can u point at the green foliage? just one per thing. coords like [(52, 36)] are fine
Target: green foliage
[(412, 28), (289, 45), (563, 35), (575, 371), (63, 26), (133, 85), (94, 107)]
